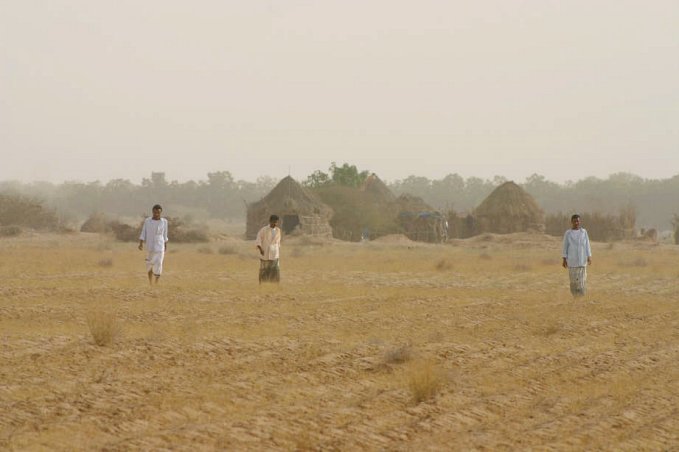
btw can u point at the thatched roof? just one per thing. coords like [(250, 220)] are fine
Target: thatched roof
[(410, 203), (286, 198), (377, 188), (509, 209)]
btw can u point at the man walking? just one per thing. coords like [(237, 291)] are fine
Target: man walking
[(577, 255), (154, 233), (268, 243)]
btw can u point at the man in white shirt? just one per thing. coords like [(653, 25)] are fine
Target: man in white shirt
[(577, 255), (154, 233), (269, 243)]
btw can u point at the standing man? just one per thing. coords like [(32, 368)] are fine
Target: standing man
[(577, 255), (154, 233), (269, 244)]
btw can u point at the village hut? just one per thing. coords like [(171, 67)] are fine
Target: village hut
[(299, 210), (420, 221), (377, 189), (360, 213), (508, 209)]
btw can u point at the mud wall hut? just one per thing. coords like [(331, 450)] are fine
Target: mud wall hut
[(300, 211)]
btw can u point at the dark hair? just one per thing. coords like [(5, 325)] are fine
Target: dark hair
[(575, 215), (157, 206), (273, 218)]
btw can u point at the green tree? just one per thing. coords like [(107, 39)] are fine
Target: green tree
[(347, 175), (317, 179)]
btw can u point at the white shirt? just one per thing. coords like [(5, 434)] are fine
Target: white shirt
[(269, 239), (576, 248), (154, 234)]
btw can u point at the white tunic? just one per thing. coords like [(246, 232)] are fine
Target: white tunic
[(269, 239), (154, 234), (576, 248)]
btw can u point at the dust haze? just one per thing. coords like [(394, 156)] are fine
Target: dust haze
[(94, 91)]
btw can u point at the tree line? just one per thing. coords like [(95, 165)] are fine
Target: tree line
[(656, 201)]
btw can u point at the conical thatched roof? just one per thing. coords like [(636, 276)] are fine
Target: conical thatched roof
[(411, 203), (369, 209), (509, 209), (288, 198), (377, 188)]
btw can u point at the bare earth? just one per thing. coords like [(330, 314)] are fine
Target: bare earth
[(392, 345)]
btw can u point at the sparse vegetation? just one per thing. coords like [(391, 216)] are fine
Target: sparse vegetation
[(398, 355), (365, 346), (444, 265), (104, 327), (10, 231), (228, 250), (424, 381)]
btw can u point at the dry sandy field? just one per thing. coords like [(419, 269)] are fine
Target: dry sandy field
[(388, 345)]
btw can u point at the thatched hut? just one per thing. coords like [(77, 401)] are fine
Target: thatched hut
[(508, 209), (299, 210), (420, 221), (366, 212), (377, 189)]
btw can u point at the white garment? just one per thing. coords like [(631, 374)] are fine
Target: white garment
[(576, 247), (154, 261), (269, 239), (154, 234)]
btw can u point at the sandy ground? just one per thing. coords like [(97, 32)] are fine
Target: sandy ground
[(396, 345)]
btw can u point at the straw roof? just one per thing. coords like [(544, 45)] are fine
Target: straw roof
[(286, 198), (369, 209), (411, 203), (377, 188), (509, 209)]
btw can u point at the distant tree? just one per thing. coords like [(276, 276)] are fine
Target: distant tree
[(317, 179), (347, 175)]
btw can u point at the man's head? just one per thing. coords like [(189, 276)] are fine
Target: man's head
[(575, 221), (157, 210), (273, 221)]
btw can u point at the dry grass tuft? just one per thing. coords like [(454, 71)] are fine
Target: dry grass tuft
[(10, 231), (522, 268), (106, 262), (444, 264), (424, 381), (205, 250), (398, 355), (104, 327), (297, 252), (638, 262), (227, 250), (485, 257)]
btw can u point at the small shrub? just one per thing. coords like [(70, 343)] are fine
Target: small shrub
[(97, 222), (297, 252), (444, 264), (104, 327), (10, 231), (637, 262), (107, 262), (125, 232), (28, 212), (228, 249), (485, 256), (398, 355), (424, 381), (205, 250)]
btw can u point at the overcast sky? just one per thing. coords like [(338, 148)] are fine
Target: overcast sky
[(116, 89)]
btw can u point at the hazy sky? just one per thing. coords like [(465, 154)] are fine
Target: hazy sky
[(116, 89)]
